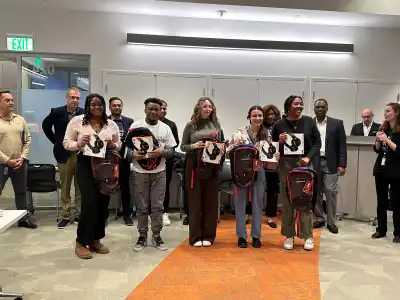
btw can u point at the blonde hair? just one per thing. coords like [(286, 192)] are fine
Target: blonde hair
[(75, 89)]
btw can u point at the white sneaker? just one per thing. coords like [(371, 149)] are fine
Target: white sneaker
[(206, 243), (309, 244), (198, 244), (166, 220), (288, 245)]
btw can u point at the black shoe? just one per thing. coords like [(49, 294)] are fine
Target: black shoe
[(185, 221), (63, 223), (378, 235), (27, 224), (272, 224), (128, 221), (396, 240), (140, 244), (242, 243), (333, 229), (159, 243), (256, 243), (318, 224)]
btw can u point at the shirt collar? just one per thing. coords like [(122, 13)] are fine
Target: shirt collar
[(324, 121)]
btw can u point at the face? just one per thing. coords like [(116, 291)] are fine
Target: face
[(163, 111), (116, 107), (270, 117), (320, 109), (73, 99), (297, 107), (7, 102), (256, 117), (367, 117), (152, 111), (96, 107), (206, 109), (390, 114)]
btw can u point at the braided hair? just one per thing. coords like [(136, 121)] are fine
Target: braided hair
[(87, 114)]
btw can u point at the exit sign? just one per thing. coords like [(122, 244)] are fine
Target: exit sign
[(19, 43)]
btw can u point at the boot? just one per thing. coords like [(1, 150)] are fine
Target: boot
[(98, 247), (82, 251)]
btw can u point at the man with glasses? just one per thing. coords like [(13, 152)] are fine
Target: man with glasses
[(368, 127), (59, 118)]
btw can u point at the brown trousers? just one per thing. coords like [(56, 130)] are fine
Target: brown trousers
[(203, 204)]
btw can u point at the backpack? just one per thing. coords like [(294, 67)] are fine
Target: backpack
[(147, 163), (106, 172), (301, 190), (204, 170), (243, 160)]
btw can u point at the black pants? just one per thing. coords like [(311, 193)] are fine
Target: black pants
[(203, 203), (382, 191), (124, 176), (91, 226), (272, 179), (169, 164)]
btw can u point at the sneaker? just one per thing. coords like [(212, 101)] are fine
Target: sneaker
[(63, 223), (242, 243), (207, 244), (198, 244), (309, 244), (256, 243), (141, 243), (159, 243), (166, 220), (288, 245), (185, 221)]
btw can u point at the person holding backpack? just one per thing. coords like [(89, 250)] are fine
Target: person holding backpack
[(202, 179), (248, 175), (293, 122)]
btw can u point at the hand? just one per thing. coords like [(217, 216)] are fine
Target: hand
[(138, 155), (19, 162), (282, 137), (111, 145), (84, 140), (198, 145), (341, 171), (381, 136), (155, 154), (11, 163), (304, 161)]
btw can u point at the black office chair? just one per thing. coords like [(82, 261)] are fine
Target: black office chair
[(41, 178), (226, 185), (179, 169)]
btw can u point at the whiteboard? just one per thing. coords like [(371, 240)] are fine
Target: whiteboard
[(233, 97), (133, 89), (275, 91), (181, 94), (375, 96), (341, 97)]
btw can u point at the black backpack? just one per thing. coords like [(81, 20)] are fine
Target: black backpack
[(301, 190), (106, 172), (147, 163), (243, 160)]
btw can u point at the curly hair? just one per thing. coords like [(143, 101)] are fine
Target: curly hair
[(87, 114), (267, 108), (385, 125), (197, 114), (288, 102)]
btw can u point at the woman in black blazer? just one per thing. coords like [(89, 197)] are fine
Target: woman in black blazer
[(387, 171)]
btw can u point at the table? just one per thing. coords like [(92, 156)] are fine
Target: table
[(9, 218)]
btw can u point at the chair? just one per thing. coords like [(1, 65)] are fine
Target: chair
[(41, 178), (225, 184), (16, 296), (180, 191)]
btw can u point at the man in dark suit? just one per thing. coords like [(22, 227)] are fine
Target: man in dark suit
[(333, 162), (169, 162), (367, 127), (59, 118), (116, 105)]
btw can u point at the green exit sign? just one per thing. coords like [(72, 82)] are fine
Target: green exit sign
[(19, 43)]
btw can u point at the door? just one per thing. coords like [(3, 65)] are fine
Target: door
[(375, 96), (341, 97), (133, 89), (181, 94), (275, 91), (233, 97)]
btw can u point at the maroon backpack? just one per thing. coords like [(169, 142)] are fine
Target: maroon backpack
[(106, 172)]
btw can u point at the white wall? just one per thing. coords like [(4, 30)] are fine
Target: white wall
[(103, 36)]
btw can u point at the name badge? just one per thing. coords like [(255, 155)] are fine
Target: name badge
[(383, 163)]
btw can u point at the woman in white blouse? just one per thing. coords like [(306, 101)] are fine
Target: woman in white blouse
[(87, 130)]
